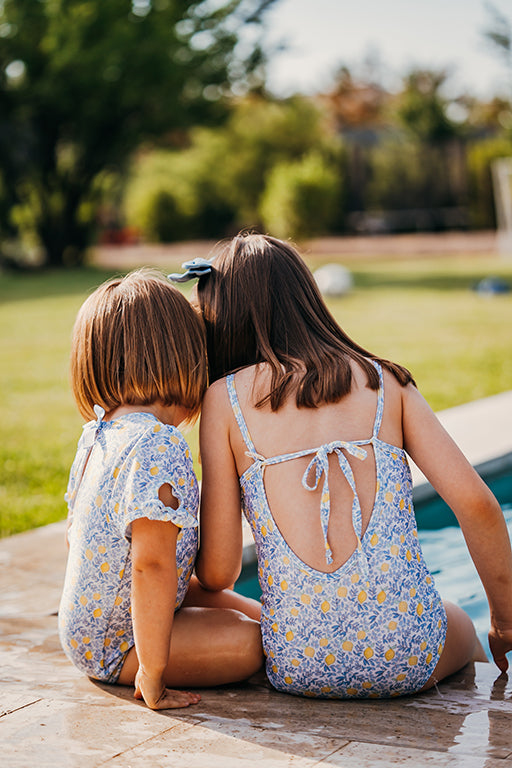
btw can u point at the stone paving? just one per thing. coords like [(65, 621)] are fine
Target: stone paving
[(51, 715)]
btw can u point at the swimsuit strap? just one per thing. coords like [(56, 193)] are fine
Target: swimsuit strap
[(235, 405), (380, 400)]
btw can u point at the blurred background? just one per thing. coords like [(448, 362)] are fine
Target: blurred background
[(160, 121), (375, 135)]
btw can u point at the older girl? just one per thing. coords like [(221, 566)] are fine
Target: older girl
[(308, 432)]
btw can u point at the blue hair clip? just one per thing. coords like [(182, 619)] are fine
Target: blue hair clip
[(195, 268)]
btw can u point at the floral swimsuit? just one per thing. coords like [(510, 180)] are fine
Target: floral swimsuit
[(115, 479), (376, 626)]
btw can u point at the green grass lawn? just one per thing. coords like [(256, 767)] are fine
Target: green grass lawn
[(421, 313), (424, 314)]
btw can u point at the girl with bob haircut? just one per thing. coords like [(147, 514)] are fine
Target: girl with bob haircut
[(138, 370), (309, 433)]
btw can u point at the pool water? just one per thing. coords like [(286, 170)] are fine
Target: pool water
[(445, 553), (447, 557)]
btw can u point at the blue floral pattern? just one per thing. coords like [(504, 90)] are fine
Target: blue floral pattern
[(115, 478), (376, 626)]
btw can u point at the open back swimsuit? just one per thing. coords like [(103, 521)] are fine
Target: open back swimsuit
[(376, 626)]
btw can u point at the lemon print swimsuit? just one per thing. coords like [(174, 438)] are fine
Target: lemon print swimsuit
[(115, 479), (376, 626)]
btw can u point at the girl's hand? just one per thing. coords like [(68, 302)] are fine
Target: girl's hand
[(157, 696), (500, 642)]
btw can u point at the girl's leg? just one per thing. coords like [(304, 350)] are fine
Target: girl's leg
[(209, 646), (226, 598), (461, 645)]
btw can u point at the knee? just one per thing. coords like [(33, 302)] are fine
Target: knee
[(246, 643), (460, 646), (461, 632)]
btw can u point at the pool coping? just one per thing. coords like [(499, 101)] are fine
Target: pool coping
[(483, 431), (487, 470)]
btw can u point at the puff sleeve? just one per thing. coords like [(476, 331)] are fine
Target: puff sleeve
[(160, 457)]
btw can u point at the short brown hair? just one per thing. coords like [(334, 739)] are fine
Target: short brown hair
[(261, 304), (137, 341)]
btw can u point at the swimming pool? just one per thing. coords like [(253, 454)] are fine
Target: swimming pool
[(445, 553), (455, 575)]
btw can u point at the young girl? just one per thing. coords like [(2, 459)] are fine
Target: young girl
[(138, 365), (309, 433)]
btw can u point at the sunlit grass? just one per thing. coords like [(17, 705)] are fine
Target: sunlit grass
[(426, 315), (422, 313)]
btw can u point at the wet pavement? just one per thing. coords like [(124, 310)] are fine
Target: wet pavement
[(51, 715)]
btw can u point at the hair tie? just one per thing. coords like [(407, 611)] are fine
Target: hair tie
[(195, 268)]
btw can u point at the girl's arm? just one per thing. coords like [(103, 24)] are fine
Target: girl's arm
[(219, 561), (154, 586), (474, 505)]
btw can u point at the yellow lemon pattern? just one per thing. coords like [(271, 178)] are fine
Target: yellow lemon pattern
[(120, 483), (375, 625)]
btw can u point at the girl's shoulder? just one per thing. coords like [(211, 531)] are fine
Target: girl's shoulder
[(216, 395), (218, 392), (216, 409), (158, 435), (395, 397), (392, 386), (144, 439), (225, 399), (245, 387)]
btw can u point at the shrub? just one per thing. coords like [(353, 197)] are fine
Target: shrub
[(165, 222), (178, 194), (158, 200), (218, 180), (300, 198)]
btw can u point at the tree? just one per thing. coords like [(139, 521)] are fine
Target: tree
[(499, 34), (355, 101), (262, 133), (421, 107), (301, 197), (218, 180), (84, 82)]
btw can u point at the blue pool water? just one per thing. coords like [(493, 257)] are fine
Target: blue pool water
[(445, 553), (455, 575)]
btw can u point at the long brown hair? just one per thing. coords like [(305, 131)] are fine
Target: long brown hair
[(137, 341), (261, 304)]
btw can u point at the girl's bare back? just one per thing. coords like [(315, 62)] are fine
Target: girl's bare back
[(292, 429)]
